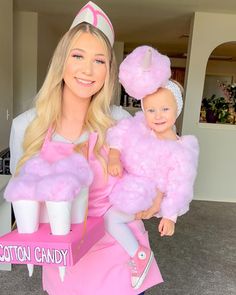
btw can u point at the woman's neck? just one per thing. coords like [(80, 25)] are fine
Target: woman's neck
[(74, 110)]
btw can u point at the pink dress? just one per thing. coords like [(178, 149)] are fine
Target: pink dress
[(103, 270)]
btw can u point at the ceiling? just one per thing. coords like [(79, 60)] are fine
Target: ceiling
[(164, 24)]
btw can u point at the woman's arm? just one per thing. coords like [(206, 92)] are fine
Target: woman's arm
[(19, 125)]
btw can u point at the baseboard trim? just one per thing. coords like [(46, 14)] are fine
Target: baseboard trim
[(215, 199)]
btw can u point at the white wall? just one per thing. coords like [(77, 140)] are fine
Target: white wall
[(119, 53), (48, 37), (25, 60), (6, 79), (216, 175), (222, 68)]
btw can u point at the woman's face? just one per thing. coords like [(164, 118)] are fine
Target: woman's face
[(160, 110), (86, 67)]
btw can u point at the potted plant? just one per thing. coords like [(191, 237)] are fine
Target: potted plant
[(216, 108), (229, 92)]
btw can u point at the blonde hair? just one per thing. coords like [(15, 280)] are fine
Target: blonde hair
[(49, 98)]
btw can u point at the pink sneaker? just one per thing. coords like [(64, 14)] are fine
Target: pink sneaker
[(140, 265)]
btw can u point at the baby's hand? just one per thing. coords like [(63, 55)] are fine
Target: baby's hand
[(115, 167), (166, 227)]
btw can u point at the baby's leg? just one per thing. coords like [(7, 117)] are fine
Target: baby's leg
[(141, 257), (116, 225)]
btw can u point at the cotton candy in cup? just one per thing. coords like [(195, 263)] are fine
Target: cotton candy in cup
[(43, 217), (27, 215), (59, 214), (27, 219)]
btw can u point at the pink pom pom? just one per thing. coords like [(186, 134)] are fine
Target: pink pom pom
[(21, 188), (36, 166), (77, 165), (133, 194), (58, 187), (143, 71)]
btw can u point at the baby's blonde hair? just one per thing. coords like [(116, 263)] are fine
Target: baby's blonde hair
[(49, 98)]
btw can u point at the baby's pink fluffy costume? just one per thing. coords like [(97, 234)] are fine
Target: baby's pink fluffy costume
[(151, 164)]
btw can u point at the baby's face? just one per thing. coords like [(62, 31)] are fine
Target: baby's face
[(160, 110)]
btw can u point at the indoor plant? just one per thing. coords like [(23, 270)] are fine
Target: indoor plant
[(216, 108)]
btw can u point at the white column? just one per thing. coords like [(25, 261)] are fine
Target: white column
[(216, 173)]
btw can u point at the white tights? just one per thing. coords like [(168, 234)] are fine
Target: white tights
[(116, 225)]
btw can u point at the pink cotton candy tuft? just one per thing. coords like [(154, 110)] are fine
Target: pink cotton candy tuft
[(36, 165), (77, 165), (59, 181), (132, 194), (139, 79), (58, 187), (21, 188)]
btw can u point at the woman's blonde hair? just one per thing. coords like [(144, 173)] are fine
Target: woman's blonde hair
[(49, 98)]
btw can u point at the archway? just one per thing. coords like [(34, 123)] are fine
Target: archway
[(219, 92)]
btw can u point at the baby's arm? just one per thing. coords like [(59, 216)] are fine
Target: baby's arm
[(116, 138), (180, 181), (147, 214), (114, 165)]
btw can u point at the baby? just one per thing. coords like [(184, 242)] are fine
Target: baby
[(158, 168)]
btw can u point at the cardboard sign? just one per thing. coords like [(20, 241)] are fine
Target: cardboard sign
[(43, 248)]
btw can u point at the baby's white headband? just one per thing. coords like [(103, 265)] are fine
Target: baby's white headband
[(174, 88), (94, 15)]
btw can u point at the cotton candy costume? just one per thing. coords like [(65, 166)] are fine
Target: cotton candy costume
[(55, 176), (152, 168), (105, 265), (151, 164)]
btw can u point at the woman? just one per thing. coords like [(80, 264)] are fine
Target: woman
[(75, 101)]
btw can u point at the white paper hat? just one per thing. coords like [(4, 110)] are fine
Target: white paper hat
[(94, 15)]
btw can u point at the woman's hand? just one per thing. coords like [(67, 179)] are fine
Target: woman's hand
[(166, 227)]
